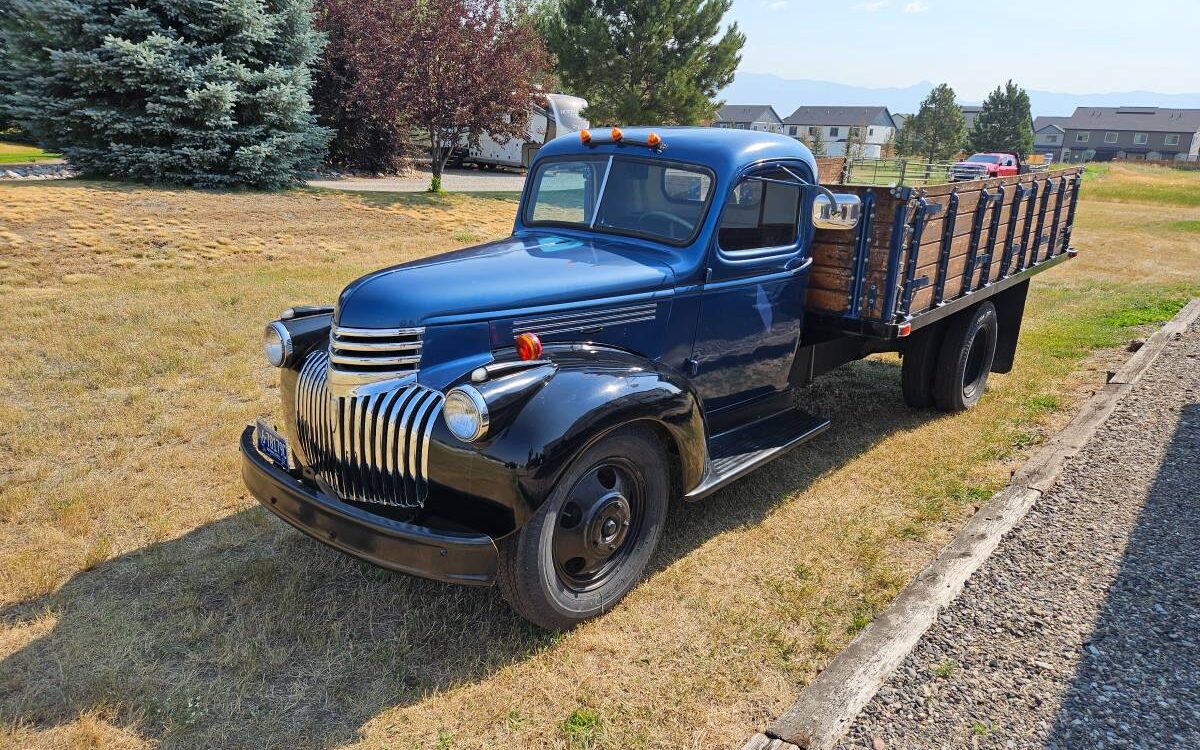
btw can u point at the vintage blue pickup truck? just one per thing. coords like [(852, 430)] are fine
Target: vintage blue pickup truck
[(520, 413)]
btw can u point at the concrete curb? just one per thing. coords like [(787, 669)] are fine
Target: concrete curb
[(825, 707)]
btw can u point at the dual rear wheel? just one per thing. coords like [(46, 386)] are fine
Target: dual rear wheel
[(946, 365)]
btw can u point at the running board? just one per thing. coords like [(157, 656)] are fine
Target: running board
[(735, 453)]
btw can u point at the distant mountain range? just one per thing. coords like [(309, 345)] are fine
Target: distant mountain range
[(786, 94)]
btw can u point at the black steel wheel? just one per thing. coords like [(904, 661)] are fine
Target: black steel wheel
[(965, 359), (588, 544)]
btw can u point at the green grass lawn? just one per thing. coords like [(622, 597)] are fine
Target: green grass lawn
[(20, 153)]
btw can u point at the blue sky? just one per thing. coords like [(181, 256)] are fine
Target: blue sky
[(1076, 46)]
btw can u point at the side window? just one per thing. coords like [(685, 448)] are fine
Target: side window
[(760, 214)]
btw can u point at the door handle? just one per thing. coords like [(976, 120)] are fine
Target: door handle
[(799, 263)]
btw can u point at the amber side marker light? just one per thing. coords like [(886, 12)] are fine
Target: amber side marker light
[(905, 329), (529, 346), (617, 135)]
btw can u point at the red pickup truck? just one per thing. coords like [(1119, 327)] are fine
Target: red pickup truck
[(980, 166)]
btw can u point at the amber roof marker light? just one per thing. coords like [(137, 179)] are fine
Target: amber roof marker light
[(617, 137)]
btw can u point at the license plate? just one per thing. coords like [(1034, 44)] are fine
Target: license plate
[(271, 444)]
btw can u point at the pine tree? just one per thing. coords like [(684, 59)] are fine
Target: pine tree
[(1005, 123), (210, 93), (938, 131), (645, 61), (815, 142), (856, 142)]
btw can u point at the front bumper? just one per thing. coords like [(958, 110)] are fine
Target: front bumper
[(403, 547)]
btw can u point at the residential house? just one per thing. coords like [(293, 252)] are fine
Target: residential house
[(760, 117), (1106, 133), (873, 127), (1048, 136), (969, 113)]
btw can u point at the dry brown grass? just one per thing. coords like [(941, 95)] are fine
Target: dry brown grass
[(146, 600)]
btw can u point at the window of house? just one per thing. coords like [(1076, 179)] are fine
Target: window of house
[(760, 214), (870, 131), (1110, 137), (1172, 140), (1052, 139), (854, 132), (1139, 139), (833, 132), (813, 131), (1082, 137), (793, 130)]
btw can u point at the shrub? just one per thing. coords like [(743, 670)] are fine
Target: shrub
[(210, 93)]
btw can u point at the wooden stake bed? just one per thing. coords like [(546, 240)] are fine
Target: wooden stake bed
[(918, 250)]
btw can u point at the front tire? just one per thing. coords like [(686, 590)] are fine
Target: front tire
[(589, 543), (965, 359)]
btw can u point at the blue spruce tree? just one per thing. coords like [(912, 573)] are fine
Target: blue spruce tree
[(209, 93)]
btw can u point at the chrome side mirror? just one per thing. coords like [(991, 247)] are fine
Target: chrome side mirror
[(836, 210)]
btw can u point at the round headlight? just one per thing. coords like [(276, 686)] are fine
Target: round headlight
[(277, 344), (465, 413)]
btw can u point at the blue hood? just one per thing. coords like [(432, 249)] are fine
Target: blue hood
[(513, 273)]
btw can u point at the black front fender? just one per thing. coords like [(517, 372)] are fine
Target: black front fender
[(592, 391)]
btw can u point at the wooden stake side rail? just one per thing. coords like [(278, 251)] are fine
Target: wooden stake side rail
[(918, 249)]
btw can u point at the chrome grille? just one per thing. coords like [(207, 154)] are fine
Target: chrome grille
[(371, 447), (367, 355)]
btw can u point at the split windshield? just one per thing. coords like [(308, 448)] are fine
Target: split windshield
[(665, 202)]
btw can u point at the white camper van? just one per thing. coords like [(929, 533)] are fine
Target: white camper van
[(561, 114)]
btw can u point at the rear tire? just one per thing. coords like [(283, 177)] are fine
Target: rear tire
[(919, 365), (588, 544), (965, 359)]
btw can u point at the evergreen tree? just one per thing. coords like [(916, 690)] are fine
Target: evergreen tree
[(938, 131), (856, 141), (1005, 123), (210, 93), (815, 142), (645, 61)]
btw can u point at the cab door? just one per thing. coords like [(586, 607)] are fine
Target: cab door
[(752, 304)]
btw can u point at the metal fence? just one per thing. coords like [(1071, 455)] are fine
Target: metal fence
[(892, 172), (863, 171)]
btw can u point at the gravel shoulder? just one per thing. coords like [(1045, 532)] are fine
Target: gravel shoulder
[(1083, 628)]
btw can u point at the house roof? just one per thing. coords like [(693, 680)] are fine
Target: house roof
[(841, 116), (1143, 119), (1041, 123), (748, 113), (969, 113), (900, 119)]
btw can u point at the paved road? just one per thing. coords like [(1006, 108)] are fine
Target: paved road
[(1083, 629), (453, 180)]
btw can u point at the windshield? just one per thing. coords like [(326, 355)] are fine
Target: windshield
[(621, 195), (985, 158)]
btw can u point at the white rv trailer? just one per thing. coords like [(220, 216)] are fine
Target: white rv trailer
[(560, 115)]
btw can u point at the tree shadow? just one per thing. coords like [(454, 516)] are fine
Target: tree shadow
[(1139, 667), (243, 629)]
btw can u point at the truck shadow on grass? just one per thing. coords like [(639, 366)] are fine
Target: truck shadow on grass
[(1137, 684), (243, 633)]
